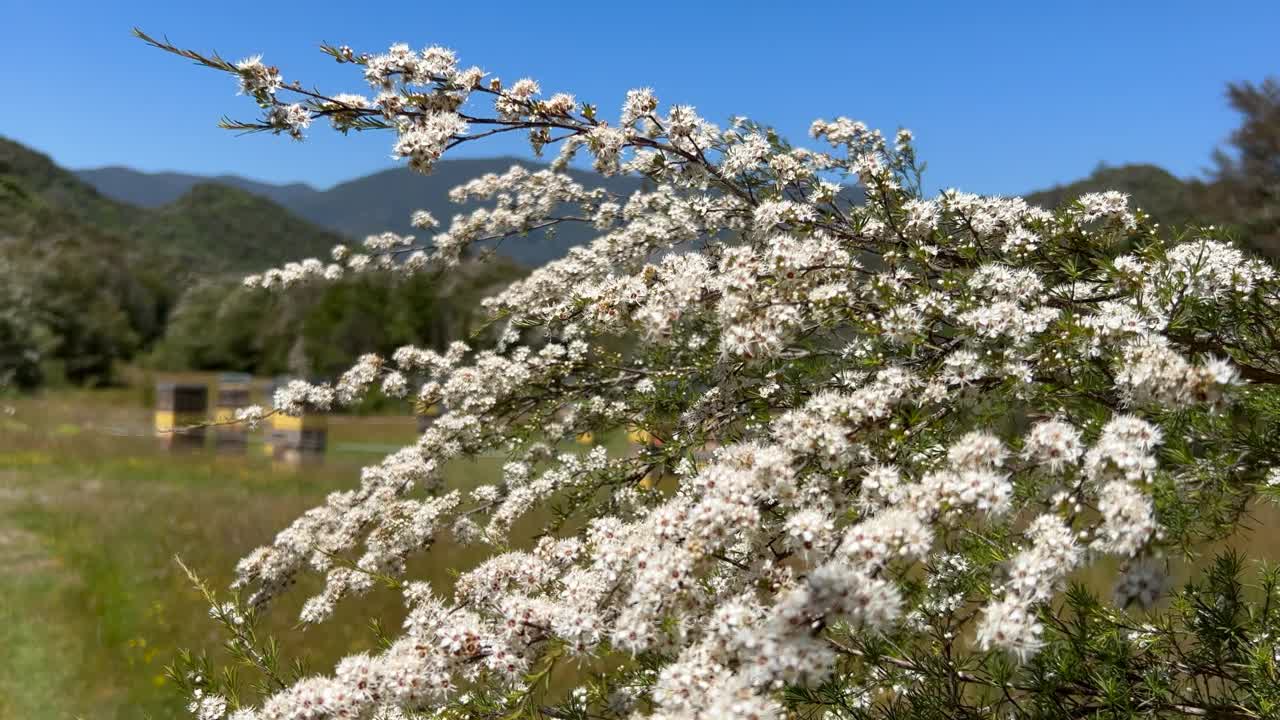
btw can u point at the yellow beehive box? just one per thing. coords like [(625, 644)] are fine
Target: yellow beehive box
[(293, 423)]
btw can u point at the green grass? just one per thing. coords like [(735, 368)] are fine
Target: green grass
[(93, 513), (41, 658), (93, 604), (96, 604)]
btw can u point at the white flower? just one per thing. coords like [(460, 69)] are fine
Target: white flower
[(1010, 625), (639, 104), (256, 77), (1128, 519), (209, 707), (290, 119), (250, 415), (423, 220), (1112, 205), (423, 141), (1054, 444)]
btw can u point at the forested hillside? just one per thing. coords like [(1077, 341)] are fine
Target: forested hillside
[(1241, 191), (209, 228), (87, 282), (69, 309), (1169, 199)]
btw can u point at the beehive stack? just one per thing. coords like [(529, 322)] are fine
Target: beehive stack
[(305, 433), (233, 394), (292, 436), (181, 411)]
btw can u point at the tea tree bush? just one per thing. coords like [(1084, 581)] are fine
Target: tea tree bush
[(900, 432)]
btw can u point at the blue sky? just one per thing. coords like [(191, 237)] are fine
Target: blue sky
[(1003, 97)]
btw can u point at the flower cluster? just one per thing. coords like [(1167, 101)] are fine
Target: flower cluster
[(879, 433)]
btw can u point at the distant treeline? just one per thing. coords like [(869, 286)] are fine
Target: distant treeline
[(319, 330)]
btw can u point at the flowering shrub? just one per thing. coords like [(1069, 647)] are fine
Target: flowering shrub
[(897, 434)]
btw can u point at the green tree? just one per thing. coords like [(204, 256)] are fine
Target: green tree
[(1247, 173)]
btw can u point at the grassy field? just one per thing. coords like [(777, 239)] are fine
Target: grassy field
[(92, 515)]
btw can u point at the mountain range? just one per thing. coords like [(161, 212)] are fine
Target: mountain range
[(385, 200), (364, 206), (232, 223)]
